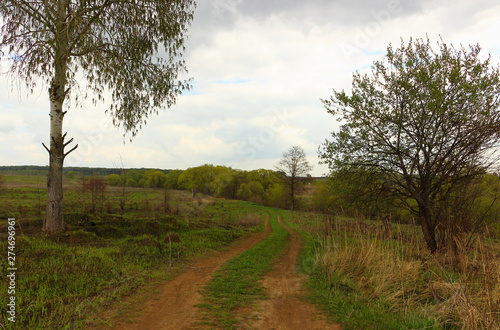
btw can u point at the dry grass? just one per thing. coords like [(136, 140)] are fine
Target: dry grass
[(391, 263), (249, 220)]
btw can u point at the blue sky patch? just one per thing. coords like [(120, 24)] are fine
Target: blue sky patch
[(232, 81)]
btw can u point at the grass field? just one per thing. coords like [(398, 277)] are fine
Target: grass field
[(64, 280), (364, 274)]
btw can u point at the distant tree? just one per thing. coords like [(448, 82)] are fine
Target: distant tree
[(70, 175), (132, 178), (133, 175), (171, 179), (276, 195), (96, 186), (231, 184), (252, 191), (155, 179), (357, 191), (114, 179), (197, 178), (428, 121), (295, 166), (114, 44), (223, 181)]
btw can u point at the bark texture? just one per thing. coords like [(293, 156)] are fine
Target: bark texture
[(54, 222)]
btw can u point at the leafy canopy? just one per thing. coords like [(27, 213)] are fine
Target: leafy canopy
[(133, 48), (421, 117)]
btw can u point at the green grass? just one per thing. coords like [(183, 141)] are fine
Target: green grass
[(63, 280), (236, 284), (66, 280)]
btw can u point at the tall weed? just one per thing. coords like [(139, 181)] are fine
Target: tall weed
[(389, 264)]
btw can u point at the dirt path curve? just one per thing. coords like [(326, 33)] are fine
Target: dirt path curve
[(284, 310), (175, 307)]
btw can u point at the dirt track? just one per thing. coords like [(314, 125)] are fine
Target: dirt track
[(175, 306), (284, 310)]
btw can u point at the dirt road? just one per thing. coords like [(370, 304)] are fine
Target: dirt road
[(175, 306), (284, 310)]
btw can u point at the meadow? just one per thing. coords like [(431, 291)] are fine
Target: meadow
[(65, 281), (122, 243), (379, 275)]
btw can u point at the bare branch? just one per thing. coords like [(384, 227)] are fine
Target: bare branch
[(46, 148), (66, 154)]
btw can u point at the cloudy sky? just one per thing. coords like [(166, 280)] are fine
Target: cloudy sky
[(259, 69)]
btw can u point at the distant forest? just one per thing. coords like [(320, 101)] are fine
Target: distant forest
[(78, 171)]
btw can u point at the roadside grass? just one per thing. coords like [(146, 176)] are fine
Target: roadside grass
[(237, 284), (67, 280), (370, 275)]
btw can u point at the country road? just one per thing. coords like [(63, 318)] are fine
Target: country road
[(175, 307)]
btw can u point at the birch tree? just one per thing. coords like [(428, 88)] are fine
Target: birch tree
[(130, 48)]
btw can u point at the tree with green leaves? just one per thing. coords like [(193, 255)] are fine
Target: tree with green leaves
[(154, 179), (172, 178), (131, 48), (353, 192), (295, 166), (428, 120), (197, 179)]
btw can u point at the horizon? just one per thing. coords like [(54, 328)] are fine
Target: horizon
[(71, 168)]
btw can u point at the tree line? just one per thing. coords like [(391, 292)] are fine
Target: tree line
[(266, 187), (359, 193), (77, 171), (277, 188)]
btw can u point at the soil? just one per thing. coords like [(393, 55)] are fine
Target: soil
[(284, 309), (175, 306)]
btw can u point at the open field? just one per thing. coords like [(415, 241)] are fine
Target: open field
[(120, 251), (63, 280)]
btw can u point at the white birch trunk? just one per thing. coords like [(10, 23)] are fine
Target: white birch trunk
[(54, 222)]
